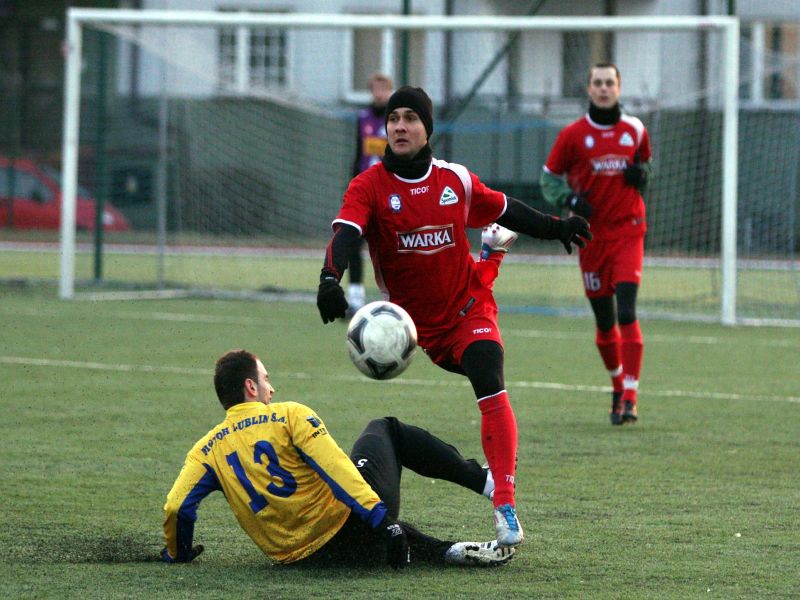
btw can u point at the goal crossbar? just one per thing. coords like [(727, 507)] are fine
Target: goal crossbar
[(428, 22)]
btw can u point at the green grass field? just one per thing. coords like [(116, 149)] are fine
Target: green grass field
[(103, 399)]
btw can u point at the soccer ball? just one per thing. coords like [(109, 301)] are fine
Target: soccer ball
[(381, 339)]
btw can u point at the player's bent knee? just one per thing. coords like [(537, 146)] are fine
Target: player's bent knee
[(483, 364)]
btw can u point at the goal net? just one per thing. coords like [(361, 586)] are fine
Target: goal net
[(227, 140)]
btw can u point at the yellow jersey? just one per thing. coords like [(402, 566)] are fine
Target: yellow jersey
[(287, 481)]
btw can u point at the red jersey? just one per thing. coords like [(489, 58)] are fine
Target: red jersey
[(416, 231), (593, 157)]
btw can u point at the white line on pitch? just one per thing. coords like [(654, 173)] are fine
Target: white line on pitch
[(146, 316), (594, 389), (77, 364), (542, 385), (528, 333)]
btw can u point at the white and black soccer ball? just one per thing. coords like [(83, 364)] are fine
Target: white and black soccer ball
[(381, 340)]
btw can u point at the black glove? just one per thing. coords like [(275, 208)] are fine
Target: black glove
[(397, 552), (330, 298), (196, 551), (574, 230), (634, 174), (577, 204)]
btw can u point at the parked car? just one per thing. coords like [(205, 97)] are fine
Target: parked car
[(37, 199)]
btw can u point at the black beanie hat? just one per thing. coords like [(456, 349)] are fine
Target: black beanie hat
[(417, 100)]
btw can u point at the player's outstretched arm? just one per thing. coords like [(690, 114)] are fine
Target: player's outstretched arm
[(522, 218), (331, 302)]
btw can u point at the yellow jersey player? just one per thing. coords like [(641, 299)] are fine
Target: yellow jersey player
[(299, 496)]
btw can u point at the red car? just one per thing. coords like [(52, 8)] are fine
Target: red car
[(37, 200)]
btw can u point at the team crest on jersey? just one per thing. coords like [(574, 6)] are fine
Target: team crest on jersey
[(588, 141), (426, 240), (394, 203), (448, 197), (626, 139)]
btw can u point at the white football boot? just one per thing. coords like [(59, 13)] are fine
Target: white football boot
[(478, 554)]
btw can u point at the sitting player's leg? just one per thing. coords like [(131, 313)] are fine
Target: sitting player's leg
[(425, 548), (482, 362), (607, 340), (385, 447), (375, 457), (632, 348), (427, 455)]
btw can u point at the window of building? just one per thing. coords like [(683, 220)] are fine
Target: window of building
[(770, 63), (368, 54), (252, 58), (374, 50)]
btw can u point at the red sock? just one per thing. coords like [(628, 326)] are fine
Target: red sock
[(608, 343), (489, 267), (632, 350), (499, 440)]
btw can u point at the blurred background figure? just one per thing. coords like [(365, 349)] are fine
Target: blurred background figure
[(598, 168), (370, 146)]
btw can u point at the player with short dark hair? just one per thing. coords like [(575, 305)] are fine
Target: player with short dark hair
[(414, 210), (230, 372), (299, 497), (598, 168)]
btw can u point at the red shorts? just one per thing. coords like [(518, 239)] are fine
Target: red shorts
[(446, 348), (606, 263)]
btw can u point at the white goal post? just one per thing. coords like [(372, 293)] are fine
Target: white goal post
[(78, 19)]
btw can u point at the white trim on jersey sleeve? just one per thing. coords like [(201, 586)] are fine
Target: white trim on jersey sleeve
[(343, 222), (505, 206), (637, 125)]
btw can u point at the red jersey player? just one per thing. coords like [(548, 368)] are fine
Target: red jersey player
[(414, 210), (597, 168)]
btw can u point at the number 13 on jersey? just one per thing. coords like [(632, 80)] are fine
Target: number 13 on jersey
[(263, 449)]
